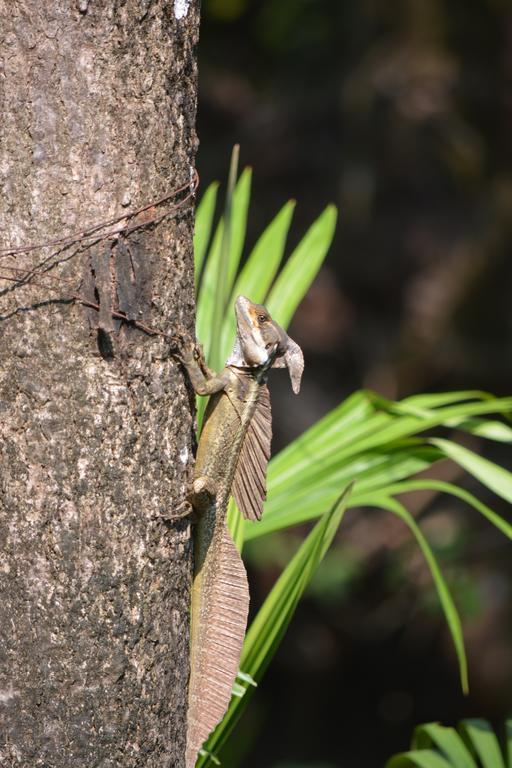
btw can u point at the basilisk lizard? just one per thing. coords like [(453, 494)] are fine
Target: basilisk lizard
[(232, 457)]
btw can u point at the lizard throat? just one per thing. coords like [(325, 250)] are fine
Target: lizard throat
[(253, 356)]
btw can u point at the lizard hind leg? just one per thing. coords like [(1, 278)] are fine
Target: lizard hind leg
[(199, 498), (203, 492)]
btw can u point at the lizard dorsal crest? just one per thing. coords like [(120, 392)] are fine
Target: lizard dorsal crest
[(250, 482)]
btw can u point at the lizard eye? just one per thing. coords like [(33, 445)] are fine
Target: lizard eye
[(262, 318), (268, 346)]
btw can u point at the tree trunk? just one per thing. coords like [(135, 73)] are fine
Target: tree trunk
[(97, 119)]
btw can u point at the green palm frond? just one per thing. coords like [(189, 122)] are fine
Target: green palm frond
[(473, 744), (377, 444)]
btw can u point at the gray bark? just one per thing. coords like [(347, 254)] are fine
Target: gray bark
[(96, 428)]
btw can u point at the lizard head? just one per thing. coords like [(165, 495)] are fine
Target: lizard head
[(260, 341)]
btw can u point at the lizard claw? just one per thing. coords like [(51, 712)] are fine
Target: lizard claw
[(183, 346), (183, 510)]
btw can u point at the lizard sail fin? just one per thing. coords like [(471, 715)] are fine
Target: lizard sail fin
[(250, 482), (219, 636)]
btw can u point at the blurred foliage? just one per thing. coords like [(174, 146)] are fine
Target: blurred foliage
[(472, 745), (401, 114)]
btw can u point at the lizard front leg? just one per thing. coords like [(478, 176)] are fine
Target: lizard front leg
[(204, 381)]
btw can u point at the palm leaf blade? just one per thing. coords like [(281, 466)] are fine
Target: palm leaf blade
[(447, 740), (270, 624), (203, 225), (301, 268), (484, 741), (445, 598), (424, 758), (494, 477)]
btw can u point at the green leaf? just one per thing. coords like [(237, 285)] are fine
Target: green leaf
[(508, 737), (490, 430), (233, 238), (445, 598), (219, 272), (367, 466), (238, 690), (205, 755), (317, 446), (207, 289), (241, 200), (425, 758), (368, 437), (328, 435), (268, 627), (236, 524), (343, 435), (454, 490), (273, 618), (484, 742), (247, 679), (493, 476), (203, 226), (301, 268), (447, 740), (398, 428), (309, 491), (259, 271), (433, 743), (354, 440), (446, 398), (210, 303)]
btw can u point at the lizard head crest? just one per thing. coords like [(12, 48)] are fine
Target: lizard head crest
[(261, 341)]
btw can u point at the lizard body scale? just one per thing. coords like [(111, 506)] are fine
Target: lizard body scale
[(232, 455)]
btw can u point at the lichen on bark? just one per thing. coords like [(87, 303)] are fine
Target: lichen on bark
[(98, 112)]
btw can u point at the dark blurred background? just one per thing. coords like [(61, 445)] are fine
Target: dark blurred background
[(401, 114)]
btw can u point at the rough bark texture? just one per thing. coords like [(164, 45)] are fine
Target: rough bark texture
[(97, 116)]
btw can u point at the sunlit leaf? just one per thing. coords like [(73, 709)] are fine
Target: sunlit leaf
[(308, 491), (437, 399), (203, 226), (301, 268), (425, 758), (454, 490), (508, 746), (472, 745), (208, 299), (490, 474), (484, 741), (447, 741)]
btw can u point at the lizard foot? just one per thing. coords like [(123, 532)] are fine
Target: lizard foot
[(203, 492), (183, 510), (185, 347)]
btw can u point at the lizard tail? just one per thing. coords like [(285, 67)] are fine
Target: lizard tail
[(220, 603)]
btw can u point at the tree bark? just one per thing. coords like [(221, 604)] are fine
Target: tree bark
[(96, 427)]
